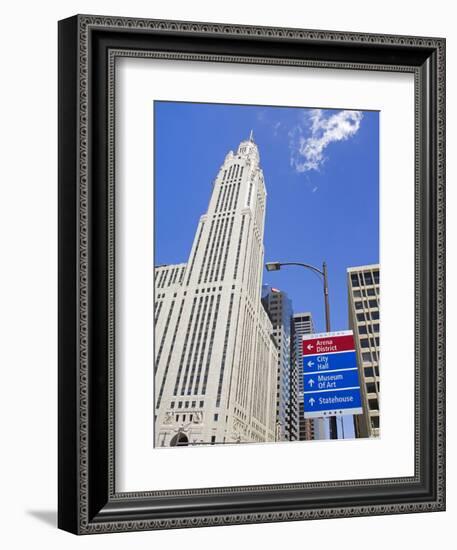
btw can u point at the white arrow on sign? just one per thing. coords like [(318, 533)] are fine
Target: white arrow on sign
[(311, 382), (310, 363), (309, 347), (312, 401)]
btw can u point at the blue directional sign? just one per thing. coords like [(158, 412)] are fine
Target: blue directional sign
[(334, 380), (331, 384), (332, 403), (332, 361)]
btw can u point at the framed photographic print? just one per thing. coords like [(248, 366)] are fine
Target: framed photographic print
[(251, 246)]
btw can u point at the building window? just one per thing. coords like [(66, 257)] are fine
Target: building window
[(213, 439), (368, 278), (373, 404), (366, 357), (354, 280), (216, 417), (172, 405), (369, 372), (371, 387), (374, 420), (179, 404)]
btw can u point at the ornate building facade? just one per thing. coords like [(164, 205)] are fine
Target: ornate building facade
[(215, 358)]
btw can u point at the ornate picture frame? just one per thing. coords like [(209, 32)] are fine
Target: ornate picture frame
[(88, 500)]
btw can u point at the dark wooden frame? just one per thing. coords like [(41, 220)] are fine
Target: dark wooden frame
[(88, 502)]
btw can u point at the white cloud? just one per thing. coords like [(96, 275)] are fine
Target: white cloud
[(309, 139)]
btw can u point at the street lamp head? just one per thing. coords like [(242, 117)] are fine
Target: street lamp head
[(273, 266)]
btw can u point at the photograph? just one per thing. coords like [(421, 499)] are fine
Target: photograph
[(266, 273), (227, 195)]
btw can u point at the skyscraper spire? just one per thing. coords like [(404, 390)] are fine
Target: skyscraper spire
[(251, 136)]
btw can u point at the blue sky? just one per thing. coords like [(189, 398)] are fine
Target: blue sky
[(321, 171)]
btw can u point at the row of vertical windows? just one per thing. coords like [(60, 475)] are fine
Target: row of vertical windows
[(206, 252), (221, 189), (253, 268), (245, 249), (227, 205), (195, 252), (245, 361), (200, 342), (185, 404), (169, 276), (192, 343), (238, 250), (224, 194), (164, 335), (224, 351), (260, 381), (162, 278), (251, 184), (214, 246), (259, 210), (227, 247), (158, 308), (170, 353), (205, 340), (210, 347), (184, 349), (218, 253)]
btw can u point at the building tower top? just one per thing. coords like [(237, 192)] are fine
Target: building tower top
[(248, 148)]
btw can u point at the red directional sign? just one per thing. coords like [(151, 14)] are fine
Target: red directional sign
[(320, 344)]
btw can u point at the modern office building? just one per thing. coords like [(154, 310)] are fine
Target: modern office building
[(363, 301), (302, 323), (279, 309), (215, 357)]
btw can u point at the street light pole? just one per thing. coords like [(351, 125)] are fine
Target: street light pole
[(276, 266), (326, 299)]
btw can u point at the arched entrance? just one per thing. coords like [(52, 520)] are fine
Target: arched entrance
[(179, 440)]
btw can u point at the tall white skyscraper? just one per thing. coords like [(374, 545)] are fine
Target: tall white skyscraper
[(215, 359)]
